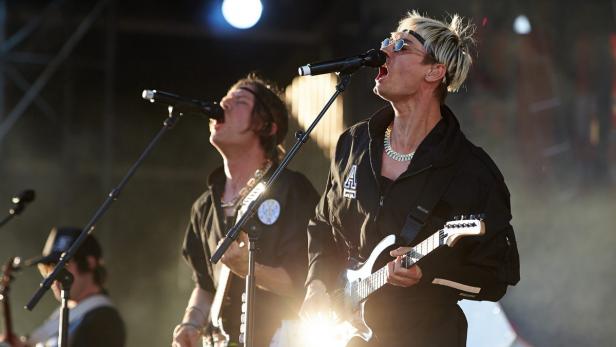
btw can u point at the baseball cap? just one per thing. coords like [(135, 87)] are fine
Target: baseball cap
[(60, 240)]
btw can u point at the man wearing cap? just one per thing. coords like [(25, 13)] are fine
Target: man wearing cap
[(93, 320)]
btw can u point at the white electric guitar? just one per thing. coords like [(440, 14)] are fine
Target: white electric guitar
[(361, 282)]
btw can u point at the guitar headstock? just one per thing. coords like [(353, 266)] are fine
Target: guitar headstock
[(7, 275), (456, 229)]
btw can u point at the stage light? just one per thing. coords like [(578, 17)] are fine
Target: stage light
[(521, 25), (305, 97), (242, 14), (325, 330)]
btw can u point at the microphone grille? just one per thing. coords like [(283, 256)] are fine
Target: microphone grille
[(148, 94), (375, 58), (304, 70), (27, 195)]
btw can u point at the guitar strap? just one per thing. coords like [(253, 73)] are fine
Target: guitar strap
[(436, 183)]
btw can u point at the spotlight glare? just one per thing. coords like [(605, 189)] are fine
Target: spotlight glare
[(521, 25), (325, 330), (242, 14)]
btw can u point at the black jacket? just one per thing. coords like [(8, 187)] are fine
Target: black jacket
[(350, 221)]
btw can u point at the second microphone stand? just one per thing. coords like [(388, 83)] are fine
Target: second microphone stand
[(59, 272), (233, 233)]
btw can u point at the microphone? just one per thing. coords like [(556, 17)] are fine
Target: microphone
[(372, 58), (20, 200), (182, 104)]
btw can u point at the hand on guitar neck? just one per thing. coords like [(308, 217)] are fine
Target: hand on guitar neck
[(397, 274)]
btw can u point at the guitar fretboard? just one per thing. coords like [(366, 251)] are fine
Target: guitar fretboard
[(361, 289), (221, 290)]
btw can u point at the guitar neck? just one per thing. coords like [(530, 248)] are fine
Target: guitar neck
[(5, 281), (221, 291), (364, 288)]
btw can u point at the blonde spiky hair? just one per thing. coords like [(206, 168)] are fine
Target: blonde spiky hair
[(450, 44)]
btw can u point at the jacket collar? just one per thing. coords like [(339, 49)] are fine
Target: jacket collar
[(216, 179), (440, 147)]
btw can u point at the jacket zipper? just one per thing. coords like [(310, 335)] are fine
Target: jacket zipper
[(382, 194)]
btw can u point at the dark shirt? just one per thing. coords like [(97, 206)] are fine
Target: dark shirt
[(283, 243), (101, 327)]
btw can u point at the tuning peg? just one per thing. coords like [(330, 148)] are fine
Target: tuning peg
[(472, 216)]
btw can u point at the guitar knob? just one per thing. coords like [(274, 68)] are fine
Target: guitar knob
[(472, 216)]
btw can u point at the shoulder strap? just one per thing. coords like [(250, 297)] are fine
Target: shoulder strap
[(436, 183)]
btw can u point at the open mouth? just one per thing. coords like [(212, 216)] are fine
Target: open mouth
[(382, 72), (215, 124)]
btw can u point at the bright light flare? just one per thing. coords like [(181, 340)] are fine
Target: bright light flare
[(521, 25), (325, 330), (242, 14)]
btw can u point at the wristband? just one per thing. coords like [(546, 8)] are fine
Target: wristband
[(189, 308), (187, 324)]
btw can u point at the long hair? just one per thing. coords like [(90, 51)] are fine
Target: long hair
[(268, 109)]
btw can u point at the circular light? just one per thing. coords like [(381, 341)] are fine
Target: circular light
[(242, 14), (521, 25)]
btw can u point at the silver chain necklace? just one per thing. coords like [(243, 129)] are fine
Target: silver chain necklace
[(390, 151)]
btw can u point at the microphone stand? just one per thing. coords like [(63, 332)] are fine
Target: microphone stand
[(232, 234), (89, 228), (12, 213), (65, 278)]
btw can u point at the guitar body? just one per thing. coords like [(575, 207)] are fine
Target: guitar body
[(352, 308), (360, 282)]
